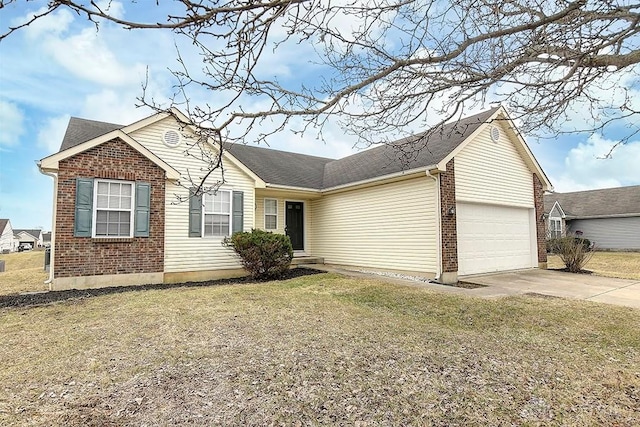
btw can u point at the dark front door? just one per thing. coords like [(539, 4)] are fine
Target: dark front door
[(294, 227)]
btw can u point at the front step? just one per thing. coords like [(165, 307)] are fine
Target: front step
[(307, 260)]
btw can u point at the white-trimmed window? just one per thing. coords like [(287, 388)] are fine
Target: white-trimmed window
[(114, 206), (270, 214), (555, 227), (217, 213)]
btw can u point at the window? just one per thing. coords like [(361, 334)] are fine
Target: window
[(113, 209), (555, 228), (217, 213), (270, 214)]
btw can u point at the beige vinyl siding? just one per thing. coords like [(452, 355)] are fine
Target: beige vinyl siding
[(390, 226), (184, 253), (490, 172), (282, 197), (260, 213)]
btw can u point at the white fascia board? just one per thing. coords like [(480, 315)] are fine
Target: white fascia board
[(292, 188), (156, 118), (424, 170), (556, 204), (51, 163)]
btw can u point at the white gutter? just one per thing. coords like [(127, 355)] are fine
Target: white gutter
[(626, 215), (436, 179), (54, 175), (292, 188)]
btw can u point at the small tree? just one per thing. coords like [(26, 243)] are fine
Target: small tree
[(263, 254), (575, 252)]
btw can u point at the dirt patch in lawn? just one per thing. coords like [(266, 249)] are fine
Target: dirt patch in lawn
[(47, 297)]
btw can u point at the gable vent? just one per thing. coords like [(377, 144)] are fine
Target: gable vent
[(495, 134), (171, 138)]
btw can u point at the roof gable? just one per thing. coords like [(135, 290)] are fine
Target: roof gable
[(620, 201), (51, 163), (3, 224)]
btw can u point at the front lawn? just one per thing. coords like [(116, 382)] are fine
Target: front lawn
[(319, 349), (23, 272), (624, 265)]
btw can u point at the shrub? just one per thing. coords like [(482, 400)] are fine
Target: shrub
[(263, 254), (574, 252)]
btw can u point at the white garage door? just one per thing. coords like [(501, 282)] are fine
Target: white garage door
[(494, 238)]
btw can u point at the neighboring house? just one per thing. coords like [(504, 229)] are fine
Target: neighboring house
[(46, 239), (6, 236), (30, 236), (610, 217), (464, 199)]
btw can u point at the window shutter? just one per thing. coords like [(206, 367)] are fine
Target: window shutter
[(195, 214), (238, 211), (143, 207), (84, 207)]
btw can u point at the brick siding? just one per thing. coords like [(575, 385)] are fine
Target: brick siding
[(85, 256), (541, 225), (448, 226)]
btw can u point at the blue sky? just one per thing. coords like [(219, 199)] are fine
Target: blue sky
[(61, 67)]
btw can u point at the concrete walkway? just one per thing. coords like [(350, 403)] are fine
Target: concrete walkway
[(608, 290)]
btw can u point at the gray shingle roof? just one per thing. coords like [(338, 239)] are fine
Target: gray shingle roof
[(592, 203), (34, 232), (82, 130), (301, 170), (3, 224), (425, 149), (282, 167)]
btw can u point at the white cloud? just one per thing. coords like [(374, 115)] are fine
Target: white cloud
[(51, 133), (114, 106), (54, 23), (585, 168), (11, 123), (88, 56)]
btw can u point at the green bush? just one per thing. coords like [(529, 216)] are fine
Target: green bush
[(263, 254), (574, 251)]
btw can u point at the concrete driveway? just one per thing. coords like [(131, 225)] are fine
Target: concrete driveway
[(556, 283)]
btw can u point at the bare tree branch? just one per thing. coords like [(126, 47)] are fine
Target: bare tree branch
[(389, 67)]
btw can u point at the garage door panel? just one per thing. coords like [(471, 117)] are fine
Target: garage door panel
[(492, 238)]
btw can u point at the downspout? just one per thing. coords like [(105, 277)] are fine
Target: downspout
[(54, 175), (436, 179)]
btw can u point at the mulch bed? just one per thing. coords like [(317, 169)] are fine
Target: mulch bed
[(464, 285), (566, 270), (40, 298)]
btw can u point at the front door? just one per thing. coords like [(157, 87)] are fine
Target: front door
[(295, 224)]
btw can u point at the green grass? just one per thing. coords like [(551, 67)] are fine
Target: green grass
[(23, 272), (322, 350)]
